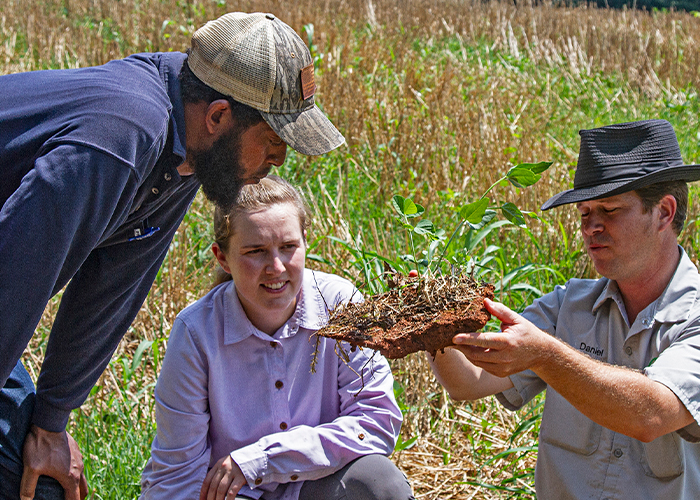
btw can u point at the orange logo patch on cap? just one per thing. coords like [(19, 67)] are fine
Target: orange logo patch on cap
[(308, 83)]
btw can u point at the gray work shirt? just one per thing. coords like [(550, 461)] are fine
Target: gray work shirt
[(578, 458)]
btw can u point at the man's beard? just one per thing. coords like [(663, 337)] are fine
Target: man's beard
[(219, 169)]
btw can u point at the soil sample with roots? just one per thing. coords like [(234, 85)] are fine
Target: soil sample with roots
[(415, 314)]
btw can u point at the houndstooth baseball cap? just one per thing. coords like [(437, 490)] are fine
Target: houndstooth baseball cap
[(260, 61)]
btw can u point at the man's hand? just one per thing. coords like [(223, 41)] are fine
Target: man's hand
[(519, 345), (53, 454), (223, 481)]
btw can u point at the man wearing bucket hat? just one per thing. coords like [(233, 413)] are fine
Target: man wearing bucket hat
[(97, 170), (618, 356)]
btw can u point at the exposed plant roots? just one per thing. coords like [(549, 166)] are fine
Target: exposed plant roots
[(416, 314)]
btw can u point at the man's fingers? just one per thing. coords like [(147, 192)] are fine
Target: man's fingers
[(501, 312), (485, 340), (83, 487), (28, 484), (71, 492)]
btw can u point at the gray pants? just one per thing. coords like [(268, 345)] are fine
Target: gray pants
[(372, 477)]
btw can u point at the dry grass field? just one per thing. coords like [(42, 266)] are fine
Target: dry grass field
[(437, 99)]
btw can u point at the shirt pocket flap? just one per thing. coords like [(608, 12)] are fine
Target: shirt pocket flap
[(662, 458), (566, 427)]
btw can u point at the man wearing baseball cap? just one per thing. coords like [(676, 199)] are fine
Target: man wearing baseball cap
[(99, 167), (618, 356)]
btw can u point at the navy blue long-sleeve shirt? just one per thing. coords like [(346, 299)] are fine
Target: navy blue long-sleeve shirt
[(88, 171)]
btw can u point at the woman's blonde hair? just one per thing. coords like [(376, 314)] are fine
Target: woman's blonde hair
[(271, 190)]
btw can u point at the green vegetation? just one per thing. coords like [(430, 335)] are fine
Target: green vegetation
[(438, 101)]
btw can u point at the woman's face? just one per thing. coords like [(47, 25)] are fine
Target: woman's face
[(265, 257)]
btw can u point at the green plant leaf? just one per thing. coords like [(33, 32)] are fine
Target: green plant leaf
[(522, 177), (405, 445), (406, 206), (513, 214), (489, 215), (475, 211), (536, 168), (138, 355), (424, 227)]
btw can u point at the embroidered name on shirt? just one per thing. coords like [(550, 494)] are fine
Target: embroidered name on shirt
[(591, 350)]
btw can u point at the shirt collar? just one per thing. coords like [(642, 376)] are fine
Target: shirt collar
[(610, 291), (676, 302), (310, 313), (673, 305), (169, 68)]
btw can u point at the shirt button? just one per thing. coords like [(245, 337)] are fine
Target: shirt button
[(155, 191), (258, 480), (279, 384), (628, 350), (361, 436), (294, 477), (617, 453), (273, 344), (167, 176), (283, 426)]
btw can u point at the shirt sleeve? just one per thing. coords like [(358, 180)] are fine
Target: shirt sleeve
[(48, 227), (678, 368), (369, 423), (180, 453)]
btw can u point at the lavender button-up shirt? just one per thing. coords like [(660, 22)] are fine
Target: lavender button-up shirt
[(227, 388)]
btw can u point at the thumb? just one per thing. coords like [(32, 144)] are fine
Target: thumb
[(28, 484), (501, 312), (83, 487)]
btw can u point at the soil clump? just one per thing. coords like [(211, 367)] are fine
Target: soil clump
[(415, 314)]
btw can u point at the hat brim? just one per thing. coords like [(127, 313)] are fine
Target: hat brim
[(687, 173), (307, 131)]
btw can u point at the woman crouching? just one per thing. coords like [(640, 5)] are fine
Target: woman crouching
[(239, 412)]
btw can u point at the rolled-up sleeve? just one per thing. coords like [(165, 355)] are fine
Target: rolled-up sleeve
[(678, 368)]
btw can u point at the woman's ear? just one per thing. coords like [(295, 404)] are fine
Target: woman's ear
[(220, 257)]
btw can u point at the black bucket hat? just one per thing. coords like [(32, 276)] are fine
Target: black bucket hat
[(624, 157)]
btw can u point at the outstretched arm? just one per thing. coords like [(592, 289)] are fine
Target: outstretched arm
[(463, 380), (621, 399)]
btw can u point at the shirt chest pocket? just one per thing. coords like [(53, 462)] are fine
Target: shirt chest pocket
[(565, 427), (662, 458)]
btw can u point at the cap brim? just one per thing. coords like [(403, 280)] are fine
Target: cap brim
[(686, 173), (308, 131)]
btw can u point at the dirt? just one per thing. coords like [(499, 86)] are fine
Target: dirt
[(416, 314)]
